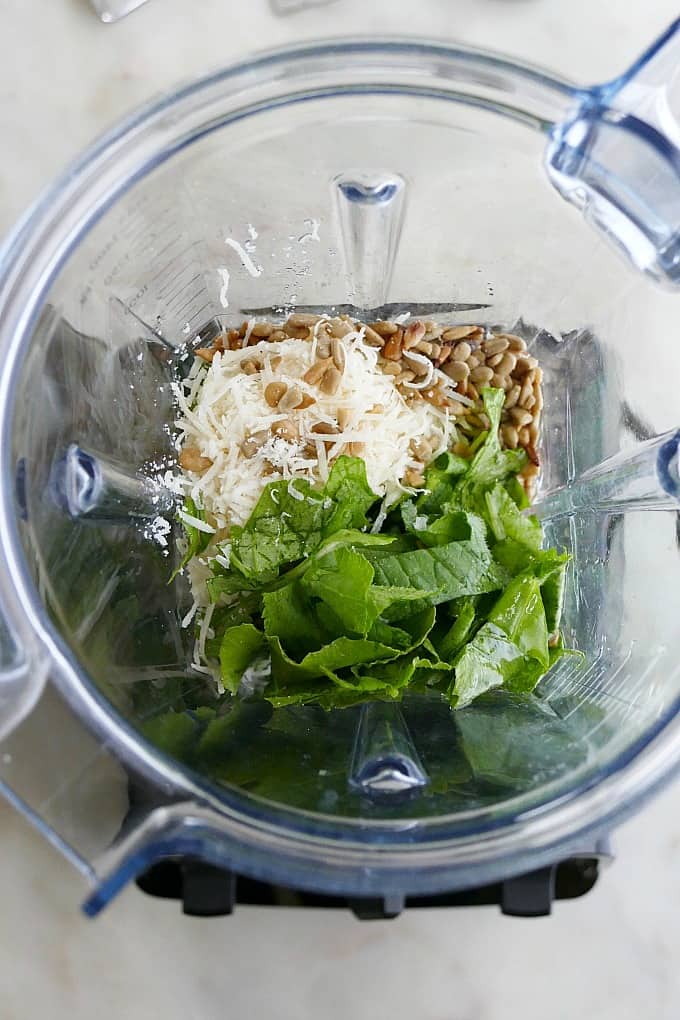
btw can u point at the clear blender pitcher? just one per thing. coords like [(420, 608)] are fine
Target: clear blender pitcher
[(385, 177)]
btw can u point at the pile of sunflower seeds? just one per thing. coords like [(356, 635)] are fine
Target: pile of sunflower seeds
[(445, 365)]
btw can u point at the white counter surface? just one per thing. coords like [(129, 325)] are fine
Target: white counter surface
[(64, 78)]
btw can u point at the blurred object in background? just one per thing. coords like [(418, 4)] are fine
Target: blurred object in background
[(293, 6), (113, 10)]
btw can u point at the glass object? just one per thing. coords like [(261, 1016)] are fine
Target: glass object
[(391, 176), (113, 10), (293, 6)]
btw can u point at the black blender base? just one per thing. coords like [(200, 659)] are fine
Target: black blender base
[(207, 891)]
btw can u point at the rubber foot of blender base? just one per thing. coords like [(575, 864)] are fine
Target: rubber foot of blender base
[(207, 891), (529, 895)]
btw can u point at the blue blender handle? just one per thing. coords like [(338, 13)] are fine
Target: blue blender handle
[(617, 158)]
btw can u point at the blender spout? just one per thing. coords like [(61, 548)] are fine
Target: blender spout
[(644, 478), (90, 486), (617, 158)]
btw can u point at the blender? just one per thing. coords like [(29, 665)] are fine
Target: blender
[(377, 178)]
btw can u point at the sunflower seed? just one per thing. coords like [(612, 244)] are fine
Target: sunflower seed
[(406, 376), (251, 366), (285, 429), (338, 353), (520, 416), (481, 374), (421, 448), (291, 399), (299, 319), (510, 436), (524, 364), (506, 366), (457, 370), (413, 334), (461, 352), (339, 328), (206, 353), (374, 339), (392, 349), (314, 374), (458, 332), (330, 381), (262, 329), (512, 397), (497, 345), (273, 393), (384, 328), (191, 459)]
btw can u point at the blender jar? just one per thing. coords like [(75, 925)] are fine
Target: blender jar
[(387, 176)]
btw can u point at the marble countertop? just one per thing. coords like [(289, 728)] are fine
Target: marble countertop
[(610, 956)]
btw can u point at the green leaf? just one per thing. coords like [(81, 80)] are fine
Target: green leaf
[(520, 614), (233, 583), (511, 649), (221, 731), (343, 579), (348, 488), (508, 522), (490, 464), (449, 571), (513, 556), (390, 634), (441, 478), (224, 617), (197, 540), (488, 661), (454, 526), (281, 529), (459, 632), (336, 655), (291, 519), (322, 677), (515, 490), (552, 591), (384, 681), (288, 615), (173, 732), (239, 646), (508, 740)]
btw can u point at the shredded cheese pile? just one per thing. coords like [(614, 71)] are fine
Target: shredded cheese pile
[(222, 407)]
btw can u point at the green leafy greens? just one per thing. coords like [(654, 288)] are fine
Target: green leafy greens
[(455, 595)]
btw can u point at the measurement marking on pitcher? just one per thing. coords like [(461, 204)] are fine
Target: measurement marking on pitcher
[(167, 248), (187, 304), (181, 291), (195, 315), (173, 287), (180, 254), (203, 308), (169, 286)]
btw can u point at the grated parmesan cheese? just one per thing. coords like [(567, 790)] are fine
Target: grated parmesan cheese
[(221, 407)]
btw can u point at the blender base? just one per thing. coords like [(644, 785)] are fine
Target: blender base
[(207, 891)]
